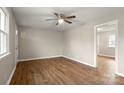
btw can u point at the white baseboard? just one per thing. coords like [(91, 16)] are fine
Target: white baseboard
[(80, 61), (11, 75), (106, 55), (120, 74), (39, 58), (54, 57)]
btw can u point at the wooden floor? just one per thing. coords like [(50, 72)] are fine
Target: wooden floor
[(56, 71), (106, 65)]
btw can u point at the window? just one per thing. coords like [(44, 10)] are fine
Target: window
[(111, 41), (3, 33)]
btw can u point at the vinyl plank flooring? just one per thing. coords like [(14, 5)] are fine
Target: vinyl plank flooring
[(61, 71)]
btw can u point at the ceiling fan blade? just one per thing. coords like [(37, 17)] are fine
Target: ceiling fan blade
[(56, 14), (50, 19), (57, 23), (68, 21), (71, 17)]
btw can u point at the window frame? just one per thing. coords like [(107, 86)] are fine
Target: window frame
[(5, 32), (112, 45)]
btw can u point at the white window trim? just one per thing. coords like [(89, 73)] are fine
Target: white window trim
[(5, 55), (7, 32)]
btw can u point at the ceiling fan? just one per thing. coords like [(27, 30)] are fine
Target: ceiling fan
[(62, 18)]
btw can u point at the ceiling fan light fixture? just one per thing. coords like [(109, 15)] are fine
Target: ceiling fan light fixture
[(60, 21)]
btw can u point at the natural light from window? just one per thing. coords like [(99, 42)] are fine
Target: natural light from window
[(111, 41), (3, 33)]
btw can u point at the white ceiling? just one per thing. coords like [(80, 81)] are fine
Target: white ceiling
[(35, 16)]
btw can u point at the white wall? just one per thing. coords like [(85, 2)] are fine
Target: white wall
[(8, 63), (103, 48), (38, 43), (79, 43)]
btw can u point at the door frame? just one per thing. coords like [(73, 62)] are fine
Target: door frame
[(16, 45), (116, 46)]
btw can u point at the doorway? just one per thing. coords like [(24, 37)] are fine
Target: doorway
[(106, 47)]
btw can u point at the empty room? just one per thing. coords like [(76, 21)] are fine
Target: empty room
[(61, 46)]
